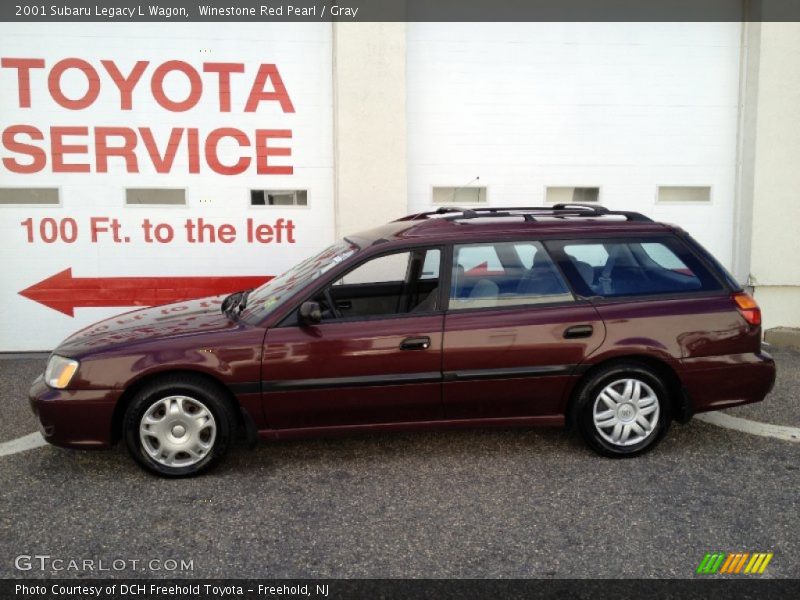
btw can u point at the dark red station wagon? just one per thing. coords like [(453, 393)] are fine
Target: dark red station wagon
[(558, 315)]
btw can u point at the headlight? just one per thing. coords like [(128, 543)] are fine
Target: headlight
[(59, 371)]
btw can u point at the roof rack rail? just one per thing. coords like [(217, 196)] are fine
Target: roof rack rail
[(529, 213), (597, 209), (602, 210), (466, 213)]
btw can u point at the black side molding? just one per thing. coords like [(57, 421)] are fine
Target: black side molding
[(280, 385), (513, 373), (340, 382)]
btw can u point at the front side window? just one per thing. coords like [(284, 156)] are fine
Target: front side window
[(490, 275), (392, 284), (384, 269), (612, 268)]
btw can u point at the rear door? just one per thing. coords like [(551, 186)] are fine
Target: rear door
[(514, 333), (662, 299), (374, 358)]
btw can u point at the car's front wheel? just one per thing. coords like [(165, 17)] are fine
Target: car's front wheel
[(178, 426), (623, 410)]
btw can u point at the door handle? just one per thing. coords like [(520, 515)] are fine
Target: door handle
[(578, 331), (345, 304), (416, 343)]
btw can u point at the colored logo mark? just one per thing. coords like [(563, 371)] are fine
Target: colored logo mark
[(744, 563)]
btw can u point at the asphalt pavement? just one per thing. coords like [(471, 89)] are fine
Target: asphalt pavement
[(513, 503)]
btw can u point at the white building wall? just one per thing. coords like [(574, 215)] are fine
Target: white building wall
[(622, 106), (775, 257), (369, 71), (370, 126)]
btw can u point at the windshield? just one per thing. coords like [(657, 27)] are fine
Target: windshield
[(263, 300)]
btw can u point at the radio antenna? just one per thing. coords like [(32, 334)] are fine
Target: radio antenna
[(465, 185)]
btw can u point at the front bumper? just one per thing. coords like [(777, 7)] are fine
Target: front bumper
[(74, 418)]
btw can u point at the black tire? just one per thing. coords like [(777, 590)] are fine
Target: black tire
[(199, 393), (588, 403)]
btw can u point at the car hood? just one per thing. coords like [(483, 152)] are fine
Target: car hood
[(190, 317)]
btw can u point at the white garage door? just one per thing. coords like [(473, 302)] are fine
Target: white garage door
[(616, 110), (142, 163)]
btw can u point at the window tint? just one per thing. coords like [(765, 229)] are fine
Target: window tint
[(478, 259), (664, 257), (594, 255), (526, 252), (393, 284), (504, 274), (391, 267), (430, 268), (625, 268), (484, 257)]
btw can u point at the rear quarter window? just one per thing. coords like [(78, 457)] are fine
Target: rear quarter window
[(729, 279), (633, 267)]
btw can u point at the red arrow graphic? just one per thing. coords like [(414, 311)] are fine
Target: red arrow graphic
[(482, 269), (64, 293)]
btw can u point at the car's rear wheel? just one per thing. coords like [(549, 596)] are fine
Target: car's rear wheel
[(178, 426), (623, 409)]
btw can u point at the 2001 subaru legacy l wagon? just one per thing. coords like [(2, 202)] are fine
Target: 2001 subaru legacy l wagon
[(458, 317)]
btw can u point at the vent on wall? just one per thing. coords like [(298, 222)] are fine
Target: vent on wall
[(571, 195), (158, 196), (278, 197), (459, 195), (40, 196), (684, 193)]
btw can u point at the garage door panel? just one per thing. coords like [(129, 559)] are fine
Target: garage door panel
[(625, 107)]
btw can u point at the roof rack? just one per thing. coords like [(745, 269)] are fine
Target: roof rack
[(529, 213)]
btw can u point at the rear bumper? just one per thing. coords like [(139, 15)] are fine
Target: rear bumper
[(73, 418), (717, 382)]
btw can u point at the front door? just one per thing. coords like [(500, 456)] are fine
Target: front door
[(514, 333), (374, 358)]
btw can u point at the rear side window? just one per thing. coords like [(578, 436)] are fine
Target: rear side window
[(504, 274), (613, 268)]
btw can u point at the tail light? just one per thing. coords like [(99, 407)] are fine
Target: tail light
[(748, 308)]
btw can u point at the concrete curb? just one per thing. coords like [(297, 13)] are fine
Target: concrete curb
[(779, 432), (26, 442), (783, 337)]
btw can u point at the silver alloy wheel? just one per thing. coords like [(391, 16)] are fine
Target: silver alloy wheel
[(626, 412), (178, 431)]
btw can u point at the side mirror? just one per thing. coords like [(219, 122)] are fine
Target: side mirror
[(310, 313)]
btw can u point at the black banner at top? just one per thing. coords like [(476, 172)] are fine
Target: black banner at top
[(398, 10)]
